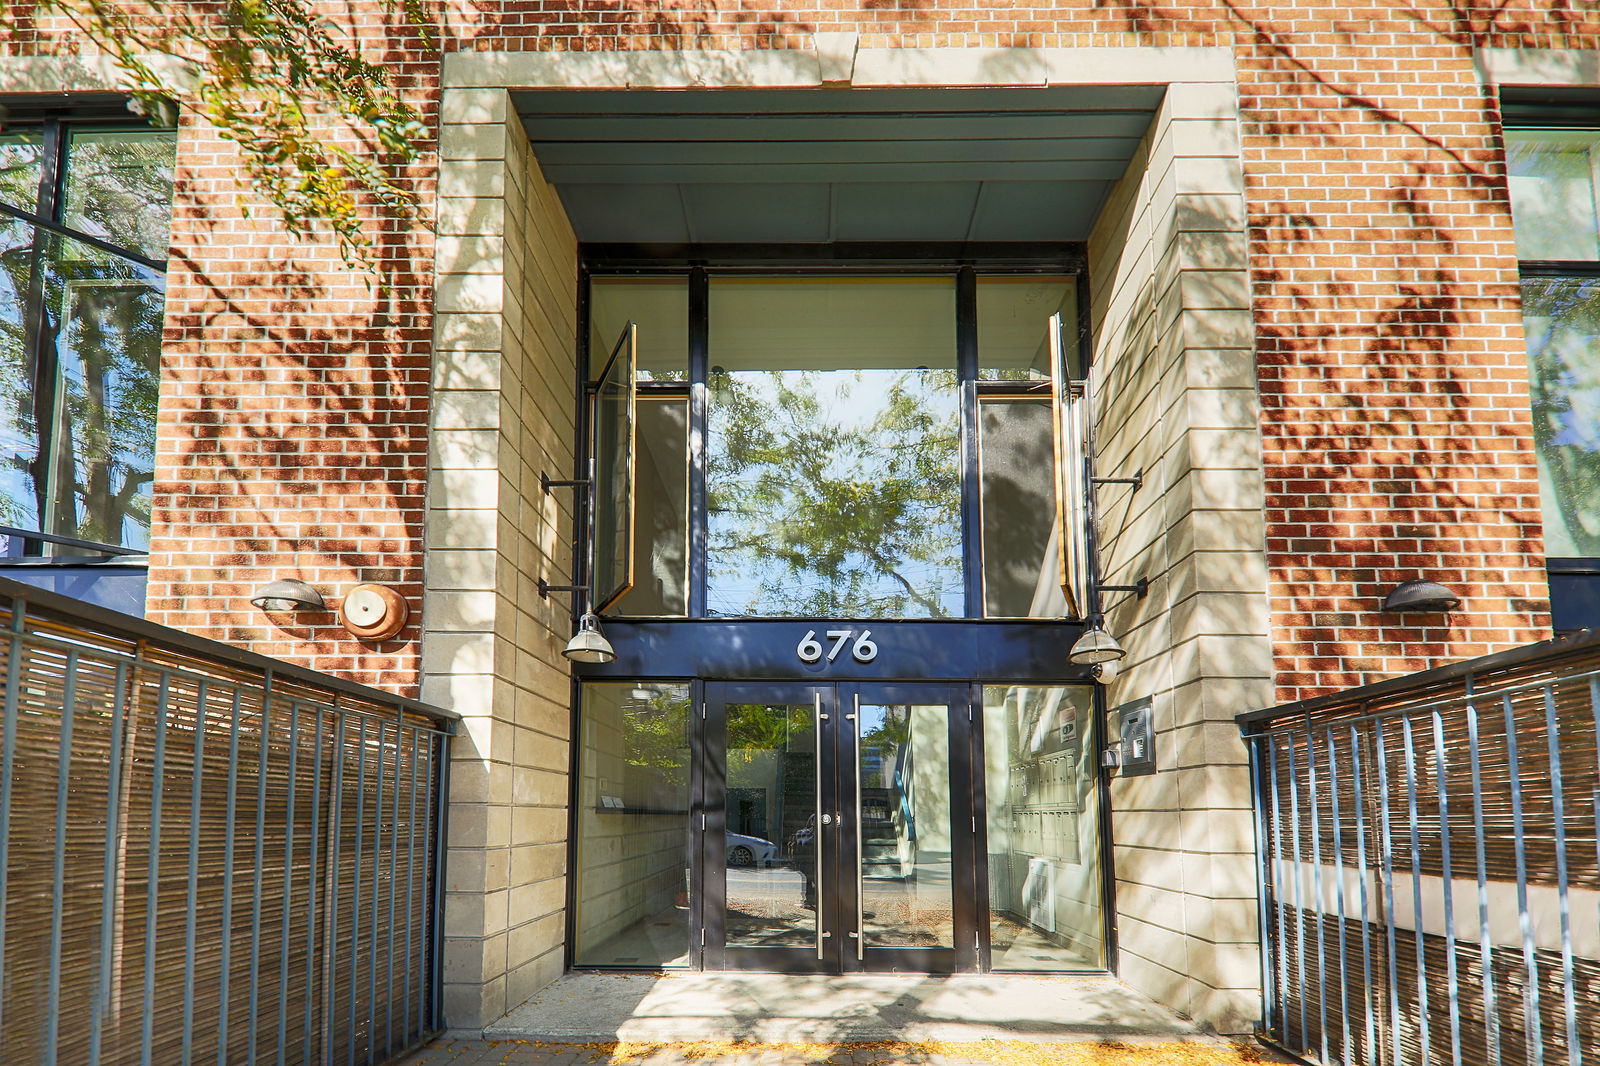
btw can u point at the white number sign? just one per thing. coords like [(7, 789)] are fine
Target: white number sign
[(863, 650)]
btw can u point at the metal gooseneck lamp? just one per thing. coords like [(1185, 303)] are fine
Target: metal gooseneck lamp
[(589, 643), (1096, 647)]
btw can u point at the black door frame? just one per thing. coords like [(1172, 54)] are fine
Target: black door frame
[(838, 873)]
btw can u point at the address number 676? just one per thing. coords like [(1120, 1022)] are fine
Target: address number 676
[(863, 650)]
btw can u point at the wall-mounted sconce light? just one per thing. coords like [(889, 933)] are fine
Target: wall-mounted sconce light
[(1420, 595), (288, 594), (588, 644), (1095, 646)]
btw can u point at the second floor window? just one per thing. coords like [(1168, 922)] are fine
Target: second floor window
[(84, 219), (1555, 204)]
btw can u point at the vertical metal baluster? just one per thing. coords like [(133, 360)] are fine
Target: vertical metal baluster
[(1530, 987), (152, 891), (1316, 882), (1359, 799), (372, 906), (1386, 854), (101, 1007), (69, 701), (8, 761), (331, 926), (225, 960), (1558, 811), (355, 889), (1491, 1016), (286, 910), (1442, 777), (1299, 902), (1282, 948), (394, 860), (190, 920), (1338, 888), (439, 786), (411, 880), (1594, 708), (1258, 801), (1417, 934), (313, 856), (259, 858)]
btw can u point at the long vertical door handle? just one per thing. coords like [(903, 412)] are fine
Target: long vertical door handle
[(861, 910), (816, 825)]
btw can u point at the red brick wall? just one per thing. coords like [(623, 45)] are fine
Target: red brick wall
[(1392, 373)]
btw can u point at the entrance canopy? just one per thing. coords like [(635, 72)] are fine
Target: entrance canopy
[(835, 165)]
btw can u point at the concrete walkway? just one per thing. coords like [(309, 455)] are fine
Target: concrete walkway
[(780, 1008)]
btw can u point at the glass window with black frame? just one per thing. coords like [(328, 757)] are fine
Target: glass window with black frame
[(84, 219), (1555, 204)]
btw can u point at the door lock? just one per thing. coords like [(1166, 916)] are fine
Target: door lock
[(827, 819)]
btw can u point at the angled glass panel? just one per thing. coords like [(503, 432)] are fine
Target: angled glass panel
[(633, 826), (833, 448), (1021, 571), (1555, 192), (661, 523), (119, 188), (103, 317), (615, 457), (661, 308), (1043, 813), (22, 251), (1561, 319)]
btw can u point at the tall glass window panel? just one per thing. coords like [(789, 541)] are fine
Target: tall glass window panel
[(1013, 313), (907, 892), (661, 308), (771, 834), (22, 249), (1021, 576), (1555, 192), (103, 318), (1043, 816), (661, 531), (1561, 318), (833, 448), (633, 826)]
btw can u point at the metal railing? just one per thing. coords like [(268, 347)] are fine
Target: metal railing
[(206, 855), (1429, 864)]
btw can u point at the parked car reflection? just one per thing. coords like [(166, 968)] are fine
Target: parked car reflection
[(750, 851)]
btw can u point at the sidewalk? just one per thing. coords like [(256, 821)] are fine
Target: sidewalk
[(749, 1019)]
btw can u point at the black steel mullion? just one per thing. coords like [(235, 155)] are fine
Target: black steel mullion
[(39, 338), (967, 375), (978, 784), (1545, 268), (699, 398), (1098, 719)]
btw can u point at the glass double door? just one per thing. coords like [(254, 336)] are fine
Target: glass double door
[(839, 830)]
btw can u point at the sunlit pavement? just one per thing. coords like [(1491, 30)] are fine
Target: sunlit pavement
[(755, 1019), (449, 1052)]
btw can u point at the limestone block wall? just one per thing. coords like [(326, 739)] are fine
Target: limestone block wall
[(1175, 395), (502, 412)]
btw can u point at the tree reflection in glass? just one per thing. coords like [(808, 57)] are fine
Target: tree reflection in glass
[(833, 449), (1561, 316)]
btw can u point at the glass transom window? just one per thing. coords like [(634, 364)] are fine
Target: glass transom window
[(851, 444)]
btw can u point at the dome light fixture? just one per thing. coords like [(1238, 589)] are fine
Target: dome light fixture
[(1095, 646), (1420, 595), (588, 644), (288, 594)]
